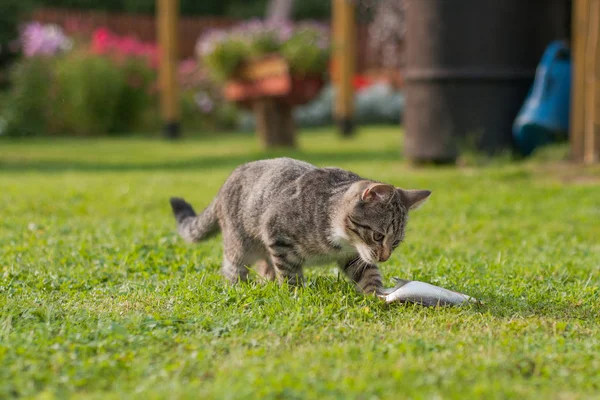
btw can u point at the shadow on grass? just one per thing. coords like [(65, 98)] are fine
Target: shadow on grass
[(505, 308), (494, 305), (210, 162)]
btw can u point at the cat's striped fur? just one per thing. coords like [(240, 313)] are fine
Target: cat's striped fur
[(283, 214)]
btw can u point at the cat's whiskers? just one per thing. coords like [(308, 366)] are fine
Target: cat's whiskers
[(366, 253)]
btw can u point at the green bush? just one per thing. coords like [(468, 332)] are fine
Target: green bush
[(89, 90), (28, 106), (226, 57), (307, 51), (98, 96), (135, 96), (203, 106), (224, 116), (305, 47), (76, 94)]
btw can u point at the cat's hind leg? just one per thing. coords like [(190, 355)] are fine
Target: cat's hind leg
[(236, 257)]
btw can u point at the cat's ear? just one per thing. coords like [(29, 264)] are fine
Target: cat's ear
[(414, 199), (377, 191)]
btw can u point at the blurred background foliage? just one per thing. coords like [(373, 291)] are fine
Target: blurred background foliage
[(13, 11), (57, 81)]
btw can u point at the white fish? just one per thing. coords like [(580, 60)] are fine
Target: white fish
[(423, 293)]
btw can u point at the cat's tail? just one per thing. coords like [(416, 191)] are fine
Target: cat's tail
[(192, 227)]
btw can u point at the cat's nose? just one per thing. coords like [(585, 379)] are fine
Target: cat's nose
[(384, 255)]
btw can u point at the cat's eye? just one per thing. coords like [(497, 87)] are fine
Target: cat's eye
[(378, 237), (396, 243)]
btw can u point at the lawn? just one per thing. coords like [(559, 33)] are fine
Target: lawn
[(99, 298)]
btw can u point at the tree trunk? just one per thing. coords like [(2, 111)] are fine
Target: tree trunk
[(274, 123)]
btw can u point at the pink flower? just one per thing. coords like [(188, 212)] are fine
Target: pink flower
[(121, 48), (101, 41), (187, 67), (128, 46)]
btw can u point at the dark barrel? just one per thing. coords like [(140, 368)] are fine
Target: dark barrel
[(469, 66)]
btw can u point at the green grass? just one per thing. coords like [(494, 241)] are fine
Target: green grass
[(99, 298)]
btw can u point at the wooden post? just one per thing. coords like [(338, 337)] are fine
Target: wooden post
[(585, 103), (344, 59), (168, 15), (274, 123)]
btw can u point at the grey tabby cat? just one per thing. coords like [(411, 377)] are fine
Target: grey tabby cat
[(283, 214)]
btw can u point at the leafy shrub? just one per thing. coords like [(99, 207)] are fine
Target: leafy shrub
[(135, 97), (307, 50), (98, 96), (76, 94), (105, 86), (89, 90), (120, 48), (28, 106), (305, 47), (137, 61), (203, 107), (225, 58), (200, 115)]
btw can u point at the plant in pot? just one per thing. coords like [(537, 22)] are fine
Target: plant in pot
[(269, 68)]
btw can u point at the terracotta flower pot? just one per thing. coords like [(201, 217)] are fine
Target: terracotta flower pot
[(269, 88), (270, 77)]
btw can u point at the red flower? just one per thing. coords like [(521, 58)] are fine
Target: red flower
[(361, 82), (120, 48), (101, 41)]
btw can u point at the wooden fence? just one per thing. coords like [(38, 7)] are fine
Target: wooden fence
[(190, 29), (141, 26), (585, 106)]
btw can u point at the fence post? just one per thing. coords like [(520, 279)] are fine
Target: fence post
[(585, 103), (344, 62), (167, 24)]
